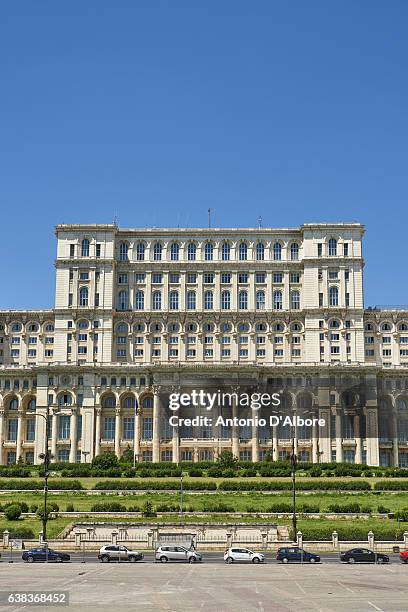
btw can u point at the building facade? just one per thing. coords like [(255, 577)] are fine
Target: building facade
[(143, 313)]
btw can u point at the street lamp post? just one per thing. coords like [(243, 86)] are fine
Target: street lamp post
[(46, 457), (293, 459)]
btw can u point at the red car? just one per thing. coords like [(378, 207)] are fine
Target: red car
[(404, 556)]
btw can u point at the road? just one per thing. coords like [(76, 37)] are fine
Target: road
[(208, 557), (210, 587)]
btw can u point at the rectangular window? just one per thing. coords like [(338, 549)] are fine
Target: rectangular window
[(109, 428), (192, 278), (209, 278), (84, 275), (64, 427), (320, 299), (260, 277), (319, 249), (157, 278), (278, 277), (295, 277), (30, 430), (174, 278), (123, 279), (345, 249), (226, 277), (128, 428), (98, 250), (147, 428), (140, 277), (12, 430), (243, 278)]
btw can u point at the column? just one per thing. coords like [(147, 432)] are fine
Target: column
[(255, 439), (395, 456), (117, 432), (339, 439), (324, 442), (73, 435), (235, 428), (98, 432), (156, 424), (315, 443), (1, 435), (136, 442), (176, 444), (359, 454), (54, 436), (373, 450), (275, 449), (19, 435)]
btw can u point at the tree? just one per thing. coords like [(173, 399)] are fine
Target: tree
[(12, 512), (127, 456), (105, 461), (227, 460)]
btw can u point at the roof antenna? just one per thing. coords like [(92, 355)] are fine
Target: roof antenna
[(209, 217), (116, 219), (259, 221)]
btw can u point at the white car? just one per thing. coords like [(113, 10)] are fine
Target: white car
[(243, 555)]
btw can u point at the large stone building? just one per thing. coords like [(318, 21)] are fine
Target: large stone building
[(142, 313)]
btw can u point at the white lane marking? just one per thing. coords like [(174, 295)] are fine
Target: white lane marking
[(345, 587), (300, 587), (374, 606)]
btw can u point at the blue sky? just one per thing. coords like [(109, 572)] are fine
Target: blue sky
[(155, 111)]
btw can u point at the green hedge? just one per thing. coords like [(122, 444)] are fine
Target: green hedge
[(37, 485), (286, 485), (391, 485), (152, 485)]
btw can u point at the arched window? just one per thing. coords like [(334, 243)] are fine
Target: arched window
[(13, 405), (260, 300), (157, 251), (139, 300), (173, 300), (294, 251), (334, 324), (83, 296), (123, 300), (191, 300), (65, 399), (148, 402), (243, 251), (156, 300), (277, 300), (109, 401), (385, 327), (243, 300), (277, 251), (174, 251), (332, 247), (403, 327), (191, 252), (122, 328), (129, 402), (208, 251), (140, 251), (208, 300), (333, 296), (85, 248), (225, 300), (260, 251), (243, 327), (295, 300), (32, 405), (225, 251)]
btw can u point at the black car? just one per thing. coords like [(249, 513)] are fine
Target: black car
[(40, 554), (294, 553), (363, 555)]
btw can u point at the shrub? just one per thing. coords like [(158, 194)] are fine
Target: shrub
[(391, 485), (108, 507), (217, 506), (105, 461), (33, 508), (195, 473), (281, 507), (339, 509), (12, 512), (23, 533), (70, 508), (152, 485), (147, 509)]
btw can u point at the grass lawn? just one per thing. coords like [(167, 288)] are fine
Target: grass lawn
[(239, 501)]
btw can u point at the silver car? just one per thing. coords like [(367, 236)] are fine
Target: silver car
[(177, 553), (243, 555)]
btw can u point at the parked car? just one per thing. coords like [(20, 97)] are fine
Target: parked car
[(119, 553), (177, 553), (40, 554), (363, 555), (243, 555), (404, 556), (294, 553)]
